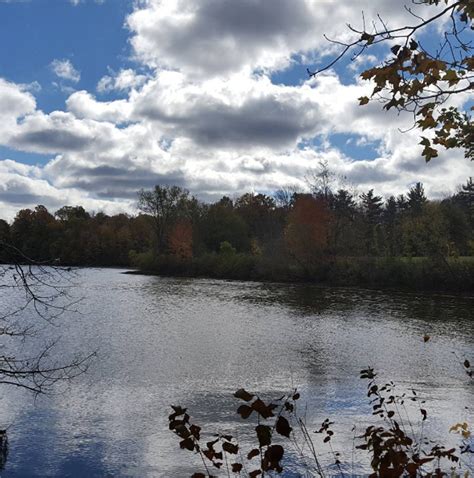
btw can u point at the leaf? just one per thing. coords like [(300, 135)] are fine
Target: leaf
[(423, 413), (244, 411), (367, 37), (363, 100), (253, 453), (236, 467), (395, 49), (426, 338), (264, 435), (230, 448), (452, 77), (264, 410), (209, 454), (283, 427), (188, 443), (274, 454), (467, 364), (254, 473), (243, 395), (326, 439), (195, 431), (210, 444), (390, 414), (296, 396)]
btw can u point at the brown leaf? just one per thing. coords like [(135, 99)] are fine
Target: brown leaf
[(253, 453), (188, 443), (274, 454), (230, 448), (283, 427), (236, 467), (264, 410), (243, 395), (244, 411)]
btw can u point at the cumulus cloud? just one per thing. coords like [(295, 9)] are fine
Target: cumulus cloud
[(240, 112), (207, 115), (124, 80), (214, 37), (65, 70), (23, 186)]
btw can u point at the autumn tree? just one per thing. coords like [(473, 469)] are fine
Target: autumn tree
[(421, 79), (307, 231), (180, 239)]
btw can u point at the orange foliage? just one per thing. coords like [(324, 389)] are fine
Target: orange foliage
[(180, 240), (307, 231)]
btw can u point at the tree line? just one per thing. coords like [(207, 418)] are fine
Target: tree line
[(286, 235)]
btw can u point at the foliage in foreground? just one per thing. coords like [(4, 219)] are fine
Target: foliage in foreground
[(394, 447)]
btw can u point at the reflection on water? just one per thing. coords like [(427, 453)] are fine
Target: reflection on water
[(194, 342)]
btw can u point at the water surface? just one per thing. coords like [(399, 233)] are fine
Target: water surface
[(193, 342)]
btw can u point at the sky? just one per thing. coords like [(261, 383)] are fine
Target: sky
[(100, 98)]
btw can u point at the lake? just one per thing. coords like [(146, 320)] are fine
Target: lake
[(193, 342)]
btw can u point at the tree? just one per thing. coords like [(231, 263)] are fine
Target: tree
[(321, 180), (259, 213), (372, 209), (30, 293), (390, 216), (344, 211), (416, 199), (180, 240), (466, 198), (307, 232), (165, 204), (419, 79), (221, 223)]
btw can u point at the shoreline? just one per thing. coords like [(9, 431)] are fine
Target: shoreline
[(309, 282)]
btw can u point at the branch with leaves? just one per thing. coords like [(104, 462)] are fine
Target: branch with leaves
[(419, 79)]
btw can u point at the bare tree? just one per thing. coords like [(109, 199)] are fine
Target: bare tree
[(31, 292)]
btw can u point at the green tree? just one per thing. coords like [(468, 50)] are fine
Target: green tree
[(165, 204), (372, 210), (416, 199), (221, 223)]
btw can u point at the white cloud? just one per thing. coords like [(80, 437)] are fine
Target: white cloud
[(214, 37), (207, 115), (122, 81), (65, 70)]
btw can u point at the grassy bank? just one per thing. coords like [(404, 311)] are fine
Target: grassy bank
[(417, 273)]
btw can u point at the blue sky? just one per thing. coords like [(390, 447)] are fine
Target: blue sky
[(91, 35), (104, 97)]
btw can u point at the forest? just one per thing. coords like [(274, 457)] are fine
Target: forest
[(332, 236)]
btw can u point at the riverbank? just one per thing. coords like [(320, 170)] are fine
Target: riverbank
[(420, 273)]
